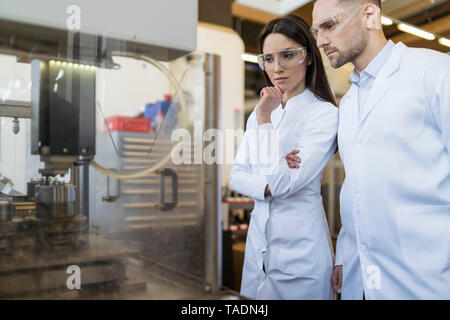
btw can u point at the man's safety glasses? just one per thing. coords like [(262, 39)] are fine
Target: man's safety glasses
[(332, 25), (286, 58)]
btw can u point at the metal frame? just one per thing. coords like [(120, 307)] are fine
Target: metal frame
[(212, 207), (15, 109)]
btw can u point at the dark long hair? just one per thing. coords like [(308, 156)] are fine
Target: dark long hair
[(297, 29)]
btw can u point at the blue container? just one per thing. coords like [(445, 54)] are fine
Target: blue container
[(167, 108), (151, 110), (165, 104)]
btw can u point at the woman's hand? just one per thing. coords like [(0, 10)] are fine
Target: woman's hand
[(292, 160), (271, 97), (336, 279)]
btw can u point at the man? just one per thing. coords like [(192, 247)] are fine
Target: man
[(394, 141)]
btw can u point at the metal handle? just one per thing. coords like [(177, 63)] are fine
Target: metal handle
[(109, 197), (167, 206)]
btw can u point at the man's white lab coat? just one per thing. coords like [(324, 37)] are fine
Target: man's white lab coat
[(395, 200)]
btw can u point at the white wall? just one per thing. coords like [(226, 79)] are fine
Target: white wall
[(15, 79), (12, 153), (15, 84), (125, 91), (229, 45)]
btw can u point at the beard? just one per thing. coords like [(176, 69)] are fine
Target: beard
[(354, 48)]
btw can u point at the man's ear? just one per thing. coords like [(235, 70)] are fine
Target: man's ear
[(373, 16)]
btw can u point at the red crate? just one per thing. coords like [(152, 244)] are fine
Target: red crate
[(118, 123)]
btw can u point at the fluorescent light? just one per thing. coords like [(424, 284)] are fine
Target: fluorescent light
[(416, 31), (249, 57), (386, 21), (74, 65), (444, 42), (279, 7)]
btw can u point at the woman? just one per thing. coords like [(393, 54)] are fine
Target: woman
[(288, 250)]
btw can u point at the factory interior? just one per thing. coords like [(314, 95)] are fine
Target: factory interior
[(118, 130)]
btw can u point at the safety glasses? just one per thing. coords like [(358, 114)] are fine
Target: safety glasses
[(286, 58), (332, 25)]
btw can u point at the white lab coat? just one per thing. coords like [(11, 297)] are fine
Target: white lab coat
[(288, 231), (395, 200)]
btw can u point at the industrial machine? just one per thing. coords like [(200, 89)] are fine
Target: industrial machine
[(87, 211)]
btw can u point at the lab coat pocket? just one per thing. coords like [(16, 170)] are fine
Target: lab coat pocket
[(300, 254), (424, 235)]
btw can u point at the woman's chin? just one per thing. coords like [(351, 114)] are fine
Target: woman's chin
[(282, 87)]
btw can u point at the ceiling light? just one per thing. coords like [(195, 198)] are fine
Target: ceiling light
[(444, 42), (416, 31), (386, 21), (249, 57)]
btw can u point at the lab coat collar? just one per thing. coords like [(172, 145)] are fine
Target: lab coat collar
[(384, 80), (374, 67), (276, 116), (348, 108), (303, 98)]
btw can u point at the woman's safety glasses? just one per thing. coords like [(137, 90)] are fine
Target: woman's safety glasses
[(286, 58), (332, 25)]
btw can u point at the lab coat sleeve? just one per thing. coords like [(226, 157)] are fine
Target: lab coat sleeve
[(441, 108), (317, 144), (242, 179), (340, 248)]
